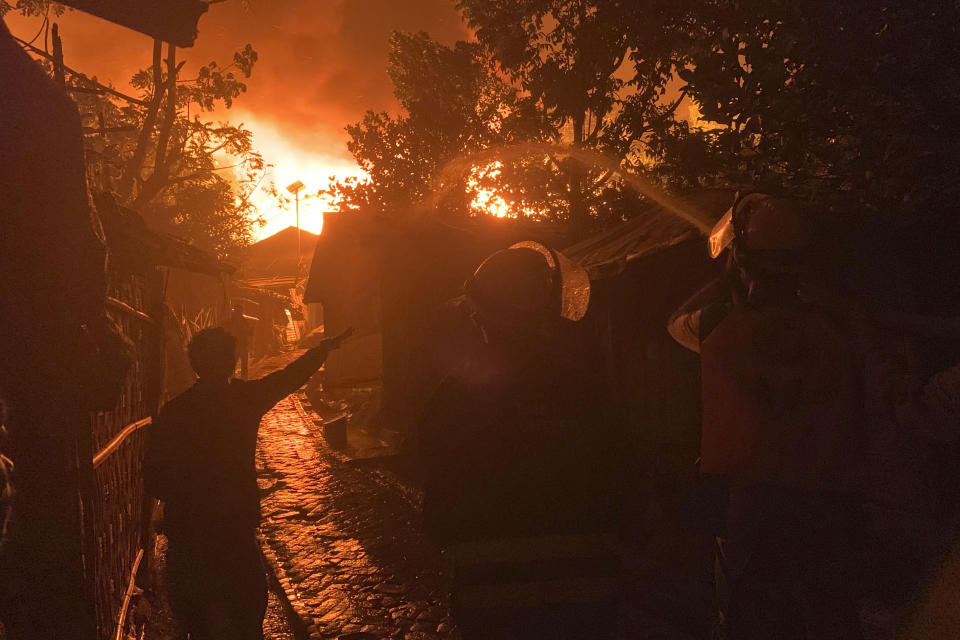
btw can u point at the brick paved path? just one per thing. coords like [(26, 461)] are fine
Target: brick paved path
[(344, 540)]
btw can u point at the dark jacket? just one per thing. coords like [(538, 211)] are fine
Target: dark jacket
[(517, 460), (524, 472)]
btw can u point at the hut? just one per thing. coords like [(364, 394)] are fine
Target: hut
[(77, 536), (277, 261), (640, 272), (142, 266), (174, 21)]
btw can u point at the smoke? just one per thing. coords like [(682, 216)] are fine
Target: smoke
[(322, 62)]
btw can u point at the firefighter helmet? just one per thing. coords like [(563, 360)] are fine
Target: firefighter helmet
[(760, 222), (530, 281)]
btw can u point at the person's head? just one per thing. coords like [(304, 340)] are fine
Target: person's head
[(768, 238), (520, 294), (213, 354)]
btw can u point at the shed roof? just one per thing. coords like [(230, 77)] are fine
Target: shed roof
[(606, 254), (275, 258), (128, 235), (168, 20), (349, 251)]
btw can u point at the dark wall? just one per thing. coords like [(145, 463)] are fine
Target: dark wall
[(668, 510), (659, 381)]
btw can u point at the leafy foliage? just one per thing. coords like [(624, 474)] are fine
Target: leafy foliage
[(31, 7), (852, 104), (453, 105), (185, 173), (522, 83), (160, 152)]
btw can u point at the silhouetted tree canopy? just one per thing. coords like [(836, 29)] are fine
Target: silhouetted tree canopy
[(159, 151), (852, 104)]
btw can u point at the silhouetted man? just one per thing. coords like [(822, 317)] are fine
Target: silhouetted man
[(200, 462)]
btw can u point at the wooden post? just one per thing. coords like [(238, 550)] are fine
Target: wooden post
[(58, 71)]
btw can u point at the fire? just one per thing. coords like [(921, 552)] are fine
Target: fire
[(288, 162), (487, 201)]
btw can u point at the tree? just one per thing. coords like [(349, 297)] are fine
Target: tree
[(567, 68), (851, 103), (184, 174), (454, 104), (526, 81)]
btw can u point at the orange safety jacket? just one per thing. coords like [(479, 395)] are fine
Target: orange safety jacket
[(779, 396)]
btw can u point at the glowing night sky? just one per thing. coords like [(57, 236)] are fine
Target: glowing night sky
[(321, 65)]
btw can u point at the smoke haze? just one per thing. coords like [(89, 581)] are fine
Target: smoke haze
[(322, 64)]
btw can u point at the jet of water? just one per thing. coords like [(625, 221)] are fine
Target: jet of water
[(452, 172)]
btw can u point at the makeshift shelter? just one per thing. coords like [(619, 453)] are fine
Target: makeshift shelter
[(273, 263), (52, 286), (77, 536), (142, 265), (268, 315), (387, 277), (279, 264), (640, 272)]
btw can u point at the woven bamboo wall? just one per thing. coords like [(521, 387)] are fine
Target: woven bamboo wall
[(117, 503)]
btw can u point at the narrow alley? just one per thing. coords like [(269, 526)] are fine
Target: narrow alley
[(343, 538)]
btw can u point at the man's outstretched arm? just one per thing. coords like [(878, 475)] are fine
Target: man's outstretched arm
[(273, 388)]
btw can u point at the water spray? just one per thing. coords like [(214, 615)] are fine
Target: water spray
[(447, 178)]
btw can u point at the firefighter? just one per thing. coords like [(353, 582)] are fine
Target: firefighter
[(520, 449), (780, 425)]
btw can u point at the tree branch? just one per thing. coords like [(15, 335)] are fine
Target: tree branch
[(132, 170), (154, 189), (102, 130), (170, 115), (596, 129), (601, 179), (100, 88), (220, 146), (673, 107), (554, 161)]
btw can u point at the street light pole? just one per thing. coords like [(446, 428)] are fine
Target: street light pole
[(295, 189)]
